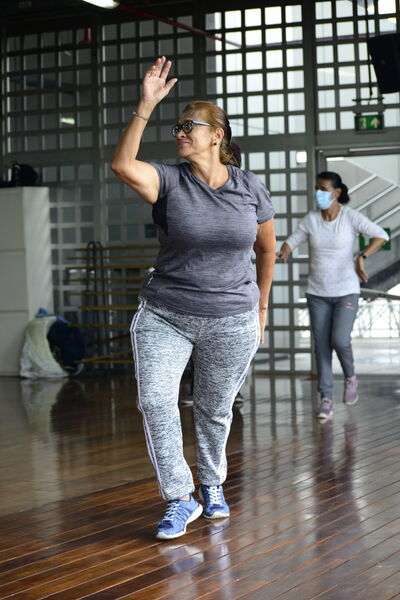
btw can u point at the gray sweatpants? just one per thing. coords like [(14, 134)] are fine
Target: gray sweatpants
[(332, 319), (222, 349)]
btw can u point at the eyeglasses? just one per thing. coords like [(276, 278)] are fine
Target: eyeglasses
[(187, 126)]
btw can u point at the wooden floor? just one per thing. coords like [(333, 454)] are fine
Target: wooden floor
[(315, 508)]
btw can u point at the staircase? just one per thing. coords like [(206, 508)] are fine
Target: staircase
[(374, 188)]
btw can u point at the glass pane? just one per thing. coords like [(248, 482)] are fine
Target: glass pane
[(294, 34), (234, 84), (297, 123), (274, 81), (233, 19), (294, 57), (293, 13), (325, 76), (344, 8), (346, 120), (274, 59), (275, 103), (252, 17), (277, 160), (255, 104), (295, 79), (257, 161), (254, 37), (233, 62), (327, 121), (323, 10), (345, 52), (326, 98), (254, 83), (255, 126), (235, 105), (277, 182), (273, 36), (254, 61), (273, 15), (323, 30), (276, 125), (324, 54), (296, 101)]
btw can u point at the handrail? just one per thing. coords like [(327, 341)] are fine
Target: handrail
[(371, 293), (378, 196), (362, 183)]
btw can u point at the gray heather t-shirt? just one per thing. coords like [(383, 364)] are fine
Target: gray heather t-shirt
[(206, 236)]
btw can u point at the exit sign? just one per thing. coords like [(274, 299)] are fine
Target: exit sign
[(368, 122)]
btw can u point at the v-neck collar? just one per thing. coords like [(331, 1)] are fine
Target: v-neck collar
[(198, 180)]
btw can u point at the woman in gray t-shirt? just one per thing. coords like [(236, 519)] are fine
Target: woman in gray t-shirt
[(203, 298), (333, 284)]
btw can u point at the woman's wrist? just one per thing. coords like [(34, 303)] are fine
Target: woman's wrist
[(145, 108)]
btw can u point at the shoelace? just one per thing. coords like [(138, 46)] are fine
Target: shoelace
[(173, 506), (215, 494)]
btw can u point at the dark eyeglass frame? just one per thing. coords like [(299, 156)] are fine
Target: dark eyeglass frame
[(187, 126)]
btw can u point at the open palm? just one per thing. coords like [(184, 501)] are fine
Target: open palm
[(155, 84)]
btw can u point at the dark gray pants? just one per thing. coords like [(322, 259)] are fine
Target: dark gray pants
[(332, 319)]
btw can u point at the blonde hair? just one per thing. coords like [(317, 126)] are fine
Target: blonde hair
[(229, 152)]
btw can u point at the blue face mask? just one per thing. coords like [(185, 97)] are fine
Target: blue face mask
[(323, 199)]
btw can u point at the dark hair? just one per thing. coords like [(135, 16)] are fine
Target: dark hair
[(229, 152), (337, 182)]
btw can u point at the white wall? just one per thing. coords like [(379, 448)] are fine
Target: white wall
[(25, 267)]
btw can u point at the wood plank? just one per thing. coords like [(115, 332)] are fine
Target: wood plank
[(314, 507)]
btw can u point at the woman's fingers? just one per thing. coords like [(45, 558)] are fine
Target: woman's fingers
[(170, 84), (166, 66)]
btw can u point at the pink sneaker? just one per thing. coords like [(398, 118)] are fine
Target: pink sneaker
[(350, 394)]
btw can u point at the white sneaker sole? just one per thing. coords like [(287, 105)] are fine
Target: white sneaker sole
[(216, 515), (351, 403), (322, 416), (161, 535)]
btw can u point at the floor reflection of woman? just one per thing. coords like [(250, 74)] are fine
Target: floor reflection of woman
[(333, 284)]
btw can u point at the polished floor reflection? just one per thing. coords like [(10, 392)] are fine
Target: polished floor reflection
[(314, 506)]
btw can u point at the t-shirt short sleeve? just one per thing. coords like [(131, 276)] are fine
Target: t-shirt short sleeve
[(168, 176), (265, 210)]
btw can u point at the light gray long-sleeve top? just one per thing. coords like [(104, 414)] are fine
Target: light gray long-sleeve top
[(332, 266)]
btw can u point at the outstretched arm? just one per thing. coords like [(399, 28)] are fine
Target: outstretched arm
[(139, 175)]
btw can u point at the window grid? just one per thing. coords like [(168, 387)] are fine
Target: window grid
[(261, 85), (342, 62)]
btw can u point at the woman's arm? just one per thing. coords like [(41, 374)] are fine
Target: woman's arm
[(372, 247), (139, 175), (299, 236), (264, 248)]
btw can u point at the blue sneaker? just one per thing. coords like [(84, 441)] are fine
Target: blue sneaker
[(215, 505), (178, 514)]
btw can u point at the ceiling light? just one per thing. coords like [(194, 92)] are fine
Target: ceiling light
[(67, 120), (104, 3)]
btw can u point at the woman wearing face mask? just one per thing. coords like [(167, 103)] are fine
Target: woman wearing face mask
[(200, 300), (333, 283)]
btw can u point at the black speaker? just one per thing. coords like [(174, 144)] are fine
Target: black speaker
[(385, 54)]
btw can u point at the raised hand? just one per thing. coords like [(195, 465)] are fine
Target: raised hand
[(155, 85)]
